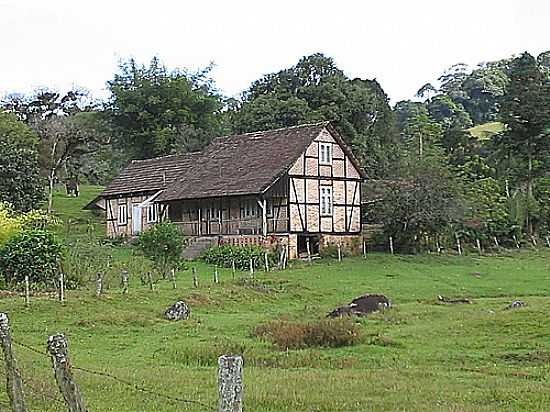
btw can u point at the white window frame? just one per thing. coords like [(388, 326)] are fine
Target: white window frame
[(326, 201), (249, 209), (325, 153), (122, 216), (152, 213)]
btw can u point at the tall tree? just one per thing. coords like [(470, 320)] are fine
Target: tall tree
[(156, 112), (20, 181), (316, 89), (525, 111)]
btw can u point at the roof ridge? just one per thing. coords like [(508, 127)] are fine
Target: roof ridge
[(166, 156), (322, 122)]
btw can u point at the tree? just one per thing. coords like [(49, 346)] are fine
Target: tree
[(526, 113), (316, 89), (20, 181), (34, 253), (424, 202), (63, 138), (152, 109), (163, 244)]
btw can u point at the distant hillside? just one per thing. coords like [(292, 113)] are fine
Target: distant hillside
[(486, 130)]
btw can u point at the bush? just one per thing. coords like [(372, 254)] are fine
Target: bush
[(163, 244), (35, 253), (224, 255), (328, 332), (12, 223)]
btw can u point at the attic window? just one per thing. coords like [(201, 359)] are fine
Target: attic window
[(325, 153)]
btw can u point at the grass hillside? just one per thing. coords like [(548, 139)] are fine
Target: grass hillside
[(419, 355), (486, 130)]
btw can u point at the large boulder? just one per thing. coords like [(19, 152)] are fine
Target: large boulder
[(362, 306), (178, 311)]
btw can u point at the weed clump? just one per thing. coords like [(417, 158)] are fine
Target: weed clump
[(294, 335)]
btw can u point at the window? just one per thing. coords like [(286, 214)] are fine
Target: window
[(325, 153), (212, 213), (326, 201), (269, 205), (122, 214), (249, 209), (152, 213)]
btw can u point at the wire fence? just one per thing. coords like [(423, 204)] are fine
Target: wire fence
[(44, 393)]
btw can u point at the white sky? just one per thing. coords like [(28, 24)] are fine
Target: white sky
[(402, 43)]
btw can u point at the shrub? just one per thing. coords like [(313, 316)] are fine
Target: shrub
[(35, 253), (292, 335), (163, 244), (224, 255), (12, 223)]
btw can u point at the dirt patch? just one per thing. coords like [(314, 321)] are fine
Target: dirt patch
[(362, 306)]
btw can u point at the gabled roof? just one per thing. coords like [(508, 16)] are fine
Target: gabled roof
[(243, 164), (150, 174), (246, 164)]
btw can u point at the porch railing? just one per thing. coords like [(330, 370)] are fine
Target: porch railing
[(232, 227)]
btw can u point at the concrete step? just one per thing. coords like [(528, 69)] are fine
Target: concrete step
[(197, 246)]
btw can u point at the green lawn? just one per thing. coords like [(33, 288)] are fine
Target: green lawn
[(417, 356)]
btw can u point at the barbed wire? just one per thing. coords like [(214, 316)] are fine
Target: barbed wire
[(134, 386), (143, 389)]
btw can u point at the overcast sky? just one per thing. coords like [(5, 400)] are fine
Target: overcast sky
[(402, 43)]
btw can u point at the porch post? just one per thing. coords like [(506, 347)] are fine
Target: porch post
[(199, 227), (263, 206)]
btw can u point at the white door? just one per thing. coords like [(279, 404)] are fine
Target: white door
[(136, 220)]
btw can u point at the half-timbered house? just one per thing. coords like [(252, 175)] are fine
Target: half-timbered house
[(298, 185)]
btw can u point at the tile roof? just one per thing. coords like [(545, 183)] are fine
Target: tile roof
[(243, 164), (150, 174)]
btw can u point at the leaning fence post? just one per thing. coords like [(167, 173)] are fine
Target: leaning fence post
[(547, 241), (230, 383), (478, 245), (98, 284), (516, 240), (124, 281), (458, 246), (195, 281), (59, 353), (391, 245), (27, 291), (61, 287), (13, 375)]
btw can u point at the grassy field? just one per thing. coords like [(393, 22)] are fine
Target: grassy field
[(419, 355), (486, 130)]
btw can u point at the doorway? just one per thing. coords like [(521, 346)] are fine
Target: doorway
[(313, 245), (136, 220)]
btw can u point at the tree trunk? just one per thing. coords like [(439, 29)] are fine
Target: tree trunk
[(51, 181), (528, 219)]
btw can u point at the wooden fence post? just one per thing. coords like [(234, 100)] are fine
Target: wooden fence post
[(251, 264), (391, 245), (364, 248), (458, 246), (98, 284), (216, 275), (27, 291), (547, 241), (516, 240), (61, 287), (308, 249), (173, 276), (496, 241), (124, 281), (14, 382), (230, 383), (266, 258), (478, 245), (195, 280), (339, 247), (59, 353), (233, 268), (150, 280)]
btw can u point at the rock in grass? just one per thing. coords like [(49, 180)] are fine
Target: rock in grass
[(361, 306), (178, 311), (516, 304)]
